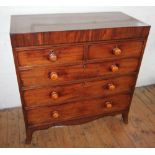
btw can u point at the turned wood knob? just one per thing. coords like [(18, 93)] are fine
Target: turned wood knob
[(53, 76), (117, 51), (111, 86), (54, 95), (52, 56), (114, 68), (108, 104), (55, 114)]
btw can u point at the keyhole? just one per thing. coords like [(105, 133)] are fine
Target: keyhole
[(84, 66), (84, 84)]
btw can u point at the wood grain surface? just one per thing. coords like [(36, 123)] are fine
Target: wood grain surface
[(107, 132), (90, 62)]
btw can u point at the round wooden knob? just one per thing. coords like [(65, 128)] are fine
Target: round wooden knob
[(111, 86), (55, 114), (108, 104), (52, 56), (54, 95), (53, 76), (117, 51), (114, 68)]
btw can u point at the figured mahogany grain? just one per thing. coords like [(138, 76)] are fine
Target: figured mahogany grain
[(41, 76), (77, 109), (128, 49), (78, 36), (83, 44), (67, 28), (89, 89), (65, 54)]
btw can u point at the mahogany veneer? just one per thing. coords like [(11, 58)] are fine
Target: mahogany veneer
[(74, 68)]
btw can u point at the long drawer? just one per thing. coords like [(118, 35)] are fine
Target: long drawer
[(62, 94), (77, 110), (50, 75)]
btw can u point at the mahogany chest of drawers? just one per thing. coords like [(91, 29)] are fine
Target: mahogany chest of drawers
[(74, 68)]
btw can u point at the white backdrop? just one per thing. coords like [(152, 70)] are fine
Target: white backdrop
[(9, 94)]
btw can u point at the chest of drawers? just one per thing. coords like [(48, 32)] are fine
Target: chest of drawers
[(74, 68)]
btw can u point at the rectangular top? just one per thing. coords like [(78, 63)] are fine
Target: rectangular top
[(71, 21)]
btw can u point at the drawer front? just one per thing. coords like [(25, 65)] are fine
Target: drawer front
[(48, 75), (112, 67), (61, 94), (78, 110), (48, 56), (115, 50)]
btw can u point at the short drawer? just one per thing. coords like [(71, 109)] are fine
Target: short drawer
[(112, 67), (62, 94), (115, 50), (48, 75), (48, 56), (53, 114)]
